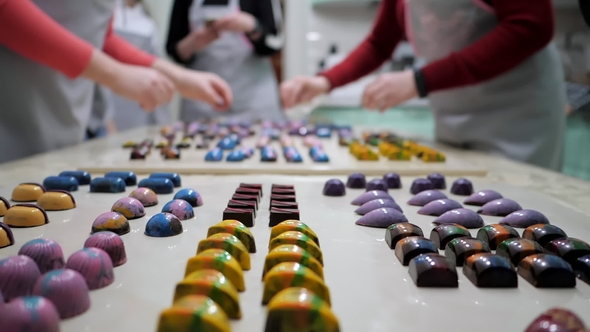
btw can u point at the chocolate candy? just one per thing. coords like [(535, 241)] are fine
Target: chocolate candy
[(25, 215), (292, 253), (432, 270), (570, 249), (420, 185), (250, 191), (283, 198), (158, 185), (524, 218), (425, 197), (516, 249), (229, 243), (382, 218), (397, 232), (289, 274), (130, 144), (557, 320), (214, 155), (438, 207), (487, 270), (248, 198), (462, 187), (356, 181), (30, 313), (499, 207), (369, 196), (293, 225), (129, 207), (283, 191), (227, 143), (163, 225), (180, 208), (219, 260), (318, 155), (146, 196), (94, 265), (194, 312), (377, 184), (582, 268), (173, 152), (412, 246), (67, 183), (376, 204), (543, 233), (243, 205), (27, 192), (4, 206), (283, 205), (480, 198), (464, 217), (139, 153), (111, 221), (334, 187), (268, 154), (253, 185), (278, 215), (298, 239), (458, 250), (191, 196), (493, 235), (235, 156), (129, 177), (18, 275), (175, 178), (236, 228), (67, 290), (6, 236), (438, 181), (111, 243), (245, 216), (292, 155), (443, 234), (107, 185), (56, 200), (392, 180), (547, 271)]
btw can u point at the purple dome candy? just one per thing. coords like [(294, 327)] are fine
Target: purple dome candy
[(376, 204), (382, 218), (425, 197), (462, 187), (111, 243), (334, 187), (371, 195), (30, 313), (18, 275), (499, 207), (464, 217), (480, 198), (67, 290), (420, 185), (146, 196), (438, 181), (46, 253), (356, 181), (377, 184), (439, 206), (129, 207), (94, 265), (524, 218), (180, 208), (393, 181)]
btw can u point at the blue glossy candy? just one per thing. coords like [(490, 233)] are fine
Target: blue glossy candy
[(248, 152), (107, 185), (163, 225), (214, 155), (67, 183), (191, 196), (292, 155), (235, 156), (174, 177), (83, 177), (158, 185), (129, 177), (267, 153), (323, 132), (227, 143)]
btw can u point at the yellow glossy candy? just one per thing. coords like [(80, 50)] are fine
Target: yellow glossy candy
[(292, 253), (27, 192), (56, 201), (25, 216), (400, 155), (291, 274), (293, 225), (220, 260), (298, 309), (4, 206), (433, 156), (194, 313), (6, 237), (299, 239), (236, 228), (162, 144), (213, 284), (229, 243)]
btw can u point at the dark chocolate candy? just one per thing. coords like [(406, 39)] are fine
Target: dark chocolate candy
[(458, 250), (410, 247), (396, 232), (432, 270), (490, 271), (183, 145), (582, 268), (253, 185), (242, 197), (279, 215), (569, 248), (557, 320), (393, 180), (283, 205), (129, 177), (543, 233), (171, 153), (283, 191), (282, 186), (249, 191), (516, 249), (139, 153), (283, 198), (443, 234), (249, 205), (148, 143), (438, 181), (462, 187), (495, 234), (547, 271), (245, 216), (356, 181)]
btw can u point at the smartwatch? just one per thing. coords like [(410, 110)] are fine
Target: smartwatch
[(420, 83), (256, 33)]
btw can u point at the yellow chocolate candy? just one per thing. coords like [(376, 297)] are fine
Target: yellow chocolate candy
[(238, 230), (162, 144), (6, 237), (300, 310), (4, 206), (56, 201), (290, 274), (25, 215), (229, 243), (130, 144), (220, 260), (215, 285), (298, 239), (194, 313), (27, 192), (293, 225), (292, 253), (433, 156)]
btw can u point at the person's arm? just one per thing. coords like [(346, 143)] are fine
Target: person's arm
[(178, 46), (523, 30), (125, 52), (374, 50), (267, 35)]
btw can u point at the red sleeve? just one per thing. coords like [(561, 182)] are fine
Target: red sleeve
[(374, 50), (28, 31), (125, 52), (523, 30)]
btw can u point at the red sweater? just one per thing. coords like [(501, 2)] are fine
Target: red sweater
[(27, 30), (524, 29)]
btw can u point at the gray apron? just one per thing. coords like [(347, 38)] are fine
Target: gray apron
[(102, 109), (42, 109), (231, 56), (519, 115)]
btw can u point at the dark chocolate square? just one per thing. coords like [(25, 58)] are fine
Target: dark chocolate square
[(284, 205), (282, 191), (568, 248), (543, 233), (248, 191), (547, 271), (495, 234), (487, 270), (283, 198), (410, 247), (279, 215), (140, 153), (397, 232), (242, 197), (516, 249), (253, 185), (282, 186), (432, 270), (443, 234), (250, 205), (245, 216), (458, 250)]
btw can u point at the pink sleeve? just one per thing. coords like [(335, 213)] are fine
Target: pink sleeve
[(125, 52)]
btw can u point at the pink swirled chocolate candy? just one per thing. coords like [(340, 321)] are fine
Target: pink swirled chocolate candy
[(439, 206), (382, 218), (129, 207), (18, 275), (30, 313), (146, 196), (557, 320), (111, 243), (45, 252), (424, 197), (180, 208), (499, 207), (94, 265), (480, 198), (371, 195), (376, 204), (464, 217), (67, 289), (524, 218)]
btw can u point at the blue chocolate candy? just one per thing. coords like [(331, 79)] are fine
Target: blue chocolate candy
[(129, 177), (107, 185), (235, 156), (175, 178), (323, 132), (190, 196), (292, 155), (158, 185), (83, 177), (67, 183), (163, 225), (268, 154), (227, 143), (214, 155)]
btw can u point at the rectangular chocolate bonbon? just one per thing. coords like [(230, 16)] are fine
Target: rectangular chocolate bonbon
[(279, 215)]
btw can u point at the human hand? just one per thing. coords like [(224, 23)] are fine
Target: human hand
[(237, 22), (147, 86), (303, 89), (389, 90), (206, 87), (203, 37)]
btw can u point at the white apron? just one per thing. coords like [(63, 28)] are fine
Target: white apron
[(42, 109), (519, 114), (231, 56)]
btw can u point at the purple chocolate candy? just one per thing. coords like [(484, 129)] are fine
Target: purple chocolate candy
[(462, 187), (480, 198), (420, 185), (180, 208), (557, 320), (524, 218), (369, 196), (94, 265), (499, 207), (46, 253), (438, 181), (356, 181), (111, 243), (464, 217), (377, 184), (393, 181), (438, 207), (334, 187), (30, 313), (18, 275), (376, 204), (67, 290), (146, 196), (382, 218), (129, 207), (425, 197)]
